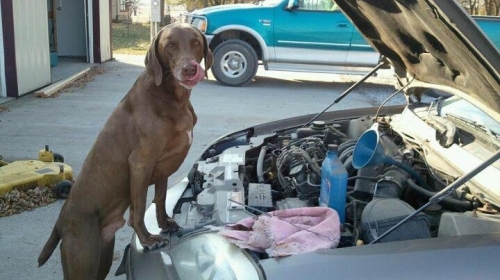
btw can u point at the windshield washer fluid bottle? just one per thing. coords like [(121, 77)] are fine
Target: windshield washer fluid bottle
[(333, 183)]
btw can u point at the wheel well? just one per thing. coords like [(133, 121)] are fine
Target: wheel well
[(237, 34)]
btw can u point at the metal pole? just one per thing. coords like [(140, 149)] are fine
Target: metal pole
[(355, 85), (151, 33)]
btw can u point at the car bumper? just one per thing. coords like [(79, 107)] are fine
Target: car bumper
[(209, 38)]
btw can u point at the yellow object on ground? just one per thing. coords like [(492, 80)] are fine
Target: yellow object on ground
[(26, 174)]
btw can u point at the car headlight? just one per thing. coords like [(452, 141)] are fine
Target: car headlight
[(211, 256), (200, 23)]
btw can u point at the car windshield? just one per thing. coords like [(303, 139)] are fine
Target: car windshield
[(270, 2), (455, 106)]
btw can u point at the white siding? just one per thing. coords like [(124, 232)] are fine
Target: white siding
[(105, 30), (32, 44)]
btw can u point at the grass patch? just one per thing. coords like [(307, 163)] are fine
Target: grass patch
[(131, 38)]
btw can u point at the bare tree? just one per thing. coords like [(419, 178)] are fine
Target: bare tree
[(198, 4), (482, 7), (471, 6), (492, 7), (496, 4), (131, 7)]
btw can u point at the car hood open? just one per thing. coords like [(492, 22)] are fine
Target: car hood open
[(434, 42)]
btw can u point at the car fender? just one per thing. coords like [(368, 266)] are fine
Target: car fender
[(262, 43)]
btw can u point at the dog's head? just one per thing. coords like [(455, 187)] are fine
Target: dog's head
[(177, 50)]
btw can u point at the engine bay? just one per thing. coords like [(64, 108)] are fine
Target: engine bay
[(246, 175)]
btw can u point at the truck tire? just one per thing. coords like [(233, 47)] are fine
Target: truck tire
[(235, 63)]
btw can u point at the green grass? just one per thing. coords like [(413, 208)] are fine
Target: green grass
[(130, 38)]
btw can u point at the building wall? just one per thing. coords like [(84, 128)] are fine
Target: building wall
[(25, 43)]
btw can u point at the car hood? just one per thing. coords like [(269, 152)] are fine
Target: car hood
[(434, 42), (228, 7)]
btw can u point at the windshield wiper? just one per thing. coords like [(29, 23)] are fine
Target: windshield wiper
[(494, 135)]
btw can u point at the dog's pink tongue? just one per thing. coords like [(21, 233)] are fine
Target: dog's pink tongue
[(200, 73)]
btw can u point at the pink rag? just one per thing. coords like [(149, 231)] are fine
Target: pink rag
[(287, 232)]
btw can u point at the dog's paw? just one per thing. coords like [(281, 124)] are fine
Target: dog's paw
[(169, 226), (154, 246), (153, 242)]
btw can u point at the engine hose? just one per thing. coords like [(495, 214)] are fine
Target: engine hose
[(260, 164), (372, 179), (348, 164), (312, 184), (346, 145), (406, 168), (346, 153), (355, 210), (449, 202), (312, 164)]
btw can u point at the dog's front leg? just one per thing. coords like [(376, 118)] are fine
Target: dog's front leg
[(166, 224), (140, 176)]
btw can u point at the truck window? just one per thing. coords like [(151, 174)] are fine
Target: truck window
[(318, 5)]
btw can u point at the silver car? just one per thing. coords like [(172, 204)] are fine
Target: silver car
[(423, 190)]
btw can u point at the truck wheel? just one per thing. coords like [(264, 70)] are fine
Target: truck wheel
[(235, 63)]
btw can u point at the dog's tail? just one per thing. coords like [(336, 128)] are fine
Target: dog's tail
[(49, 247)]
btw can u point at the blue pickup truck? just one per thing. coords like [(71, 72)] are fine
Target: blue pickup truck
[(292, 35)]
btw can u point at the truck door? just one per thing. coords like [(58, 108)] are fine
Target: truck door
[(314, 32)]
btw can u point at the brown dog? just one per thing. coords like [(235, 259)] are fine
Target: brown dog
[(144, 141)]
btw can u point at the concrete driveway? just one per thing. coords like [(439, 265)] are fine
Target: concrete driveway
[(70, 122)]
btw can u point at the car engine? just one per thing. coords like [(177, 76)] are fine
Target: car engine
[(246, 175)]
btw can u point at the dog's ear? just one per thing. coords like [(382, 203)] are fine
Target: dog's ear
[(207, 53), (209, 59), (153, 66)]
